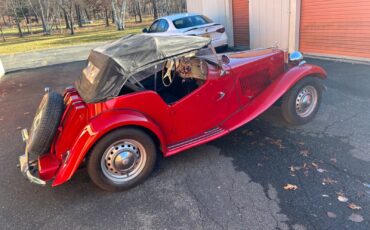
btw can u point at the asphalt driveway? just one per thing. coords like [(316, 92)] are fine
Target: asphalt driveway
[(236, 182)]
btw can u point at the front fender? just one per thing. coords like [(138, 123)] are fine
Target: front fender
[(97, 128), (271, 94)]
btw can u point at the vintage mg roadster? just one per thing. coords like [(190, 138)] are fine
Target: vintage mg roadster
[(145, 95)]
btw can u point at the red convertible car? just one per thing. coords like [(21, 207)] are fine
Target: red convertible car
[(145, 95)]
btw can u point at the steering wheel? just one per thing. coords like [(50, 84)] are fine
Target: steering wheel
[(168, 72)]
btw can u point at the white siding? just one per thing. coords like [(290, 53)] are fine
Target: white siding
[(269, 23), (220, 11)]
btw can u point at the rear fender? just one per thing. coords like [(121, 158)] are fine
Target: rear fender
[(97, 128), (271, 94)]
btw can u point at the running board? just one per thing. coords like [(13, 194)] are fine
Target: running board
[(198, 140)]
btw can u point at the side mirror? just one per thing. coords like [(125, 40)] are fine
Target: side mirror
[(145, 30), (296, 56)]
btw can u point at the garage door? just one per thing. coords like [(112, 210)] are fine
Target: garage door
[(241, 22), (335, 28)]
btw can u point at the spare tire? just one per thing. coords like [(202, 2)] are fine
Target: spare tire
[(45, 123)]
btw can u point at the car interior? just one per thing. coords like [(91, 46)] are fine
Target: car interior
[(172, 79)]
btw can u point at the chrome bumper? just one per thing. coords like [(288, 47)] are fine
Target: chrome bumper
[(27, 166)]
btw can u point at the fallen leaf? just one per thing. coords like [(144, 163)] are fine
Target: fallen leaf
[(354, 206), (260, 165), (366, 185), (277, 142), (290, 187), (300, 142), (331, 214), (304, 152), (324, 195), (314, 165), (342, 198), (333, 160), (26, 113), (18, 128), (292, 169), (328, 180), (321, 170), (356, 218)]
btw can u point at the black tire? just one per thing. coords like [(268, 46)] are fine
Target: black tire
[(45, 123), (288, 105), (94, 160)]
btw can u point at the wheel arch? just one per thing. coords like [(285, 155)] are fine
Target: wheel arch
[(272, 94), (98, 128)]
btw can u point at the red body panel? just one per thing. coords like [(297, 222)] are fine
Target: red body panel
[(252, 83)]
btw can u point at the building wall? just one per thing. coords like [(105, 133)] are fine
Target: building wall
[(269, 23), (220, 11)]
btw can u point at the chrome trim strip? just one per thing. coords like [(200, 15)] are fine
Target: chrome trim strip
[(206, 134)]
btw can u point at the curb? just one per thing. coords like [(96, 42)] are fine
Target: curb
[(2, 71)]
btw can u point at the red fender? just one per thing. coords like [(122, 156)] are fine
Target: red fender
[(98, 127), (271, 94)]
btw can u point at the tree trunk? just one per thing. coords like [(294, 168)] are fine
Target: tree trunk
[(5, 23), (113, 21), (71, 23), (66, 19), (36, 19), (78, 15), (155, 11), (14, 9), (27, 22), (45, 23), (118, 15), (18, 26), (139, 11), (106, 17), (2, 34), (87, 15)]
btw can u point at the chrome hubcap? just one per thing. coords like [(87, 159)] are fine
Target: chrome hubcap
[(306, 101), (123, 160)]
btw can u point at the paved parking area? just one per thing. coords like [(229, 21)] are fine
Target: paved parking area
[(235, 182)]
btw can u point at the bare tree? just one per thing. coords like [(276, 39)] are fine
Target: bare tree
[(2, 34), (12, 5), (119, 11), (155, 10), (67, 8)]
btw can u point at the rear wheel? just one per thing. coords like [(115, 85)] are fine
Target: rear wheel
[(301, 103), (122, 159)]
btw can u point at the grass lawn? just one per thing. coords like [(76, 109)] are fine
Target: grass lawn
[(96, 32)]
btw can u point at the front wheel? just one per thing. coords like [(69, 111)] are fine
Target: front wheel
[(301, 103), (122, 159)]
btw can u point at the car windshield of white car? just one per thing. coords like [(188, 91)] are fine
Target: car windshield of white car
[(191, 21)]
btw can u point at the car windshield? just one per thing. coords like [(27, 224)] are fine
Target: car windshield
[(191, 21)]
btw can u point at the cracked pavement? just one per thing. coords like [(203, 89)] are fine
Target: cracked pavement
[(235, 182)]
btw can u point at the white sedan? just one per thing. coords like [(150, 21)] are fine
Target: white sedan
[(190, 24)]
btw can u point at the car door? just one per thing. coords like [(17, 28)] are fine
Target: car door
[(205, 108)]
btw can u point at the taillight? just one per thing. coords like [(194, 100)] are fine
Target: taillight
[(221, 30)]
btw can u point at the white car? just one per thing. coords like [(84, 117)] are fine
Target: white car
[(190, 24)]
